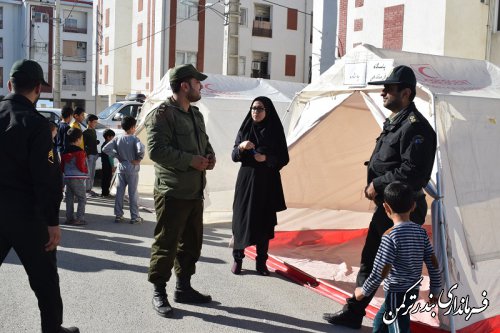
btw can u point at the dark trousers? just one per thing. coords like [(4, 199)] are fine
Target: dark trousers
[(262, 249), (107, 175), (28, 241), (178, 238), (393, 302), (378, 226)]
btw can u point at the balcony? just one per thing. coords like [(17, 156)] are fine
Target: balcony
[(262, 29)]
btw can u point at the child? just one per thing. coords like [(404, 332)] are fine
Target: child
[(399, 260), (78, 118), (74, 167), (66, 115), (107, 164), (129, 151), (91, 142)]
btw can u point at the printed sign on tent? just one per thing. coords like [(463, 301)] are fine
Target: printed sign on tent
[(377, 70), (355, 74)]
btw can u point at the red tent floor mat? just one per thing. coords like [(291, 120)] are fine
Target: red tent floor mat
[(346, 241)]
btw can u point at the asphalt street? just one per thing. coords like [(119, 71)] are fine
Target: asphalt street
[(103, 272)]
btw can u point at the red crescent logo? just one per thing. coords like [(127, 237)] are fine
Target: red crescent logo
[(422, 69)]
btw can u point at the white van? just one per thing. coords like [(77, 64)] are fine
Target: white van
[(112, 116)]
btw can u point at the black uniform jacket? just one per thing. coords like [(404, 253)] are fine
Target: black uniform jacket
[(30, 178), (404, 151)]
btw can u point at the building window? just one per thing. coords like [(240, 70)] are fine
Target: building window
[(393, 27), (106, 72), (1, 77), (75, 22), (106, 20), (73, 80), (1, 17), (290, 61), (106, 46), (1, 47), (242, 66), (291, 22), (40, 17), (139, 34), (185, 57), (260, 65), (74, 50), (243, 16), (262, 22), (138, 75), (187, 9), (139, 6)]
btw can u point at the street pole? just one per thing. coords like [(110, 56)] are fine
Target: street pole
[(57, 57), (97, 51)]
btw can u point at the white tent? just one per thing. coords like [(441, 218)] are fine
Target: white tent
[(333, 126), (224, 104)]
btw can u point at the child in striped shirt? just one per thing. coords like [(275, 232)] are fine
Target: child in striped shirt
[(399, 260)]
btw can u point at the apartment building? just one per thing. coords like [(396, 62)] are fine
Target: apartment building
[(459, 28), (139, 40), (28, 30)]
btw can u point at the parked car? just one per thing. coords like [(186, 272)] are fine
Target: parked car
[(54, 114), (112, 116)]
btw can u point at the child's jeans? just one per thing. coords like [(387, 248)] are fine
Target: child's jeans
[(75, 188), (123, 180), (393, 301), (91, 161)]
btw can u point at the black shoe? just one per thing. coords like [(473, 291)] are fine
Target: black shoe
[(191, 296), (69, 330), (161, 305), (261, 268), (344, 318), (236, 269)]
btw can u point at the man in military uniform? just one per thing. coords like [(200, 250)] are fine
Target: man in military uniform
[(179, 146), (31, 191), (405, 152)]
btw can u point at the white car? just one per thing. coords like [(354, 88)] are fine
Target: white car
[(54, 115), (112, 116)]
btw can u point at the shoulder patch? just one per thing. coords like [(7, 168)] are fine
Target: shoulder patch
[(51, 156)]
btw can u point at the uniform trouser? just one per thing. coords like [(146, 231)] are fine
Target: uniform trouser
[(122, 181), (91, 161), (75, 188), (178, 238), (393, 301), (378, 226), (28, 240), (107, 174), (262, 249)]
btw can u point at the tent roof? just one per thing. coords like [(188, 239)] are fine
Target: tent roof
[(437, 74)]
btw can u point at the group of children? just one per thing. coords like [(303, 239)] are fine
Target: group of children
[(76, 145)]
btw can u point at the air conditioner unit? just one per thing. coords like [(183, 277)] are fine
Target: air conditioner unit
[(256, 65), (81, 45)]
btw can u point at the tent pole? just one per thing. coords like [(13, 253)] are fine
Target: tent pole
[(441, 214)]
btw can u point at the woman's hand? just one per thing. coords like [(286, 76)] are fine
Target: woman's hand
[(260, 157), (246, 145)]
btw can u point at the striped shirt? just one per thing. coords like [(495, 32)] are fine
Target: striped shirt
[(405, 247)]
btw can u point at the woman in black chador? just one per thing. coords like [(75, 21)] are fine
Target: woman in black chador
[(261, 148)]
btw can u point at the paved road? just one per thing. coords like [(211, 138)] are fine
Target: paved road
[(103, 272)]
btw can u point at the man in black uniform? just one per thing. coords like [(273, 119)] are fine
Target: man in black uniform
[(404, 151), (31, 191)]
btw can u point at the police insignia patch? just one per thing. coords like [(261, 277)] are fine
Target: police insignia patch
[(51, 156), (412, 119)]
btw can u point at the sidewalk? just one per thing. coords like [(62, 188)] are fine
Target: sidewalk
[(103, 271)]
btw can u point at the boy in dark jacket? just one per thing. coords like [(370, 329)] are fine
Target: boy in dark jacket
[(107, 164), (90, 142), (74, 167)]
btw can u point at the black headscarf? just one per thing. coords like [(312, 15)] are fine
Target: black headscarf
[(268, 135)]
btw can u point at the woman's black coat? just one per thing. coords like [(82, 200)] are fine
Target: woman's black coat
[(259, 193)]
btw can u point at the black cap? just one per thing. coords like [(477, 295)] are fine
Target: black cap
[(183, 71), (28, 70), (400, 74)]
